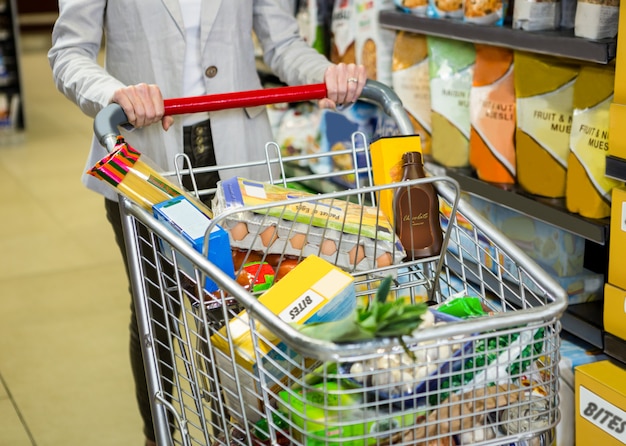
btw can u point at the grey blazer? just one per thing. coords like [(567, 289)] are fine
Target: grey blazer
[(145, 43)]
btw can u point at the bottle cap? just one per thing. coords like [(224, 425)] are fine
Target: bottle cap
[(412, 158)]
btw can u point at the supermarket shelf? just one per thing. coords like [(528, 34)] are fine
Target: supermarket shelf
[(585, 322), (616, 168), (556, 43), (550, 211), (615, 347)]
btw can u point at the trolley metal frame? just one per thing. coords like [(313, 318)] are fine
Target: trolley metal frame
[(197, 399)]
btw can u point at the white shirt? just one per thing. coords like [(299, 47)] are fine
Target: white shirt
[(193, 79)]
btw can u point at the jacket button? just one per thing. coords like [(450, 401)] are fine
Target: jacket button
[(211, 71)]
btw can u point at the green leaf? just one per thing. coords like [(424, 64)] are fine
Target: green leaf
[(383, 289)]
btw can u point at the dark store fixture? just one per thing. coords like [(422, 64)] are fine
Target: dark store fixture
[(554, 43), (11, 97), (616, 168)]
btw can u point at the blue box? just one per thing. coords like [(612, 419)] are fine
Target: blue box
[(185, 219)]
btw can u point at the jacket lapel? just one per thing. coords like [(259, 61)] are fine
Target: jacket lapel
[(208, 14), (173, 7)]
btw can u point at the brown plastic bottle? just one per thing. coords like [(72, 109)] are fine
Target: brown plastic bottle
[(417, 212)]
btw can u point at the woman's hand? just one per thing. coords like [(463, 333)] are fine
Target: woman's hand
[(344, 83), (143, 105)]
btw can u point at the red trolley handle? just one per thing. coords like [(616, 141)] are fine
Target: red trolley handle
[(251, 98), (112, 116)]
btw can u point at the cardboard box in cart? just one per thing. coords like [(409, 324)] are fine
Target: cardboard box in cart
[(314, 291), (601, 404)]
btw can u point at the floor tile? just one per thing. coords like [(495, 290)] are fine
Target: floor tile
[(69, 362), (64, 303), (11, 427)]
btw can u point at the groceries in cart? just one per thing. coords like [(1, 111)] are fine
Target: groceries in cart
[(314, 292), (352, 236), (183, 218), (326, 338), (460, 390), (135, 176)]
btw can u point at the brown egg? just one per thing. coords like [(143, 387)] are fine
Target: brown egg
[(239, 231), (328, 247), (356, 254), (383, 260), (269, 235), (298, 241)]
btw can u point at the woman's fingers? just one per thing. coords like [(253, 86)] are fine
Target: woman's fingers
[(142, 103), (344, 84)]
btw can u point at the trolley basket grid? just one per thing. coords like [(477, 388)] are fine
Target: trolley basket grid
[(223, 369)]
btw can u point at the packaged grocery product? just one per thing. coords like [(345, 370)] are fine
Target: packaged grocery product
[(445, 9), (596, 19), (374, 44), (574, 352), (451, 65), (297, 133), (557, 251), (410, 80), (341, 140), (588, 190), (416, 212), (386, 153), (337, 133), (183, 218), (415, 7), (314, 291), (492, 116), (333, 414), (310, 18), (536, 15), (351, 236), (544, 88), (342, 32), (485, 12), (568, 13), (135, 176)]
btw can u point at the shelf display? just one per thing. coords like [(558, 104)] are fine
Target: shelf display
[(11, 115), (555, 43), (588, 189)]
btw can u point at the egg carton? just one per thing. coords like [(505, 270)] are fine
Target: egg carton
[(351, 252)]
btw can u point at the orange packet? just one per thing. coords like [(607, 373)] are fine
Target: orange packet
[(492, 116)]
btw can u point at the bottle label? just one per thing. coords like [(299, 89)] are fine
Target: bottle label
[(412, 206)]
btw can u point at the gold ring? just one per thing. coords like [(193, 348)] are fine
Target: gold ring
[(352, 79)]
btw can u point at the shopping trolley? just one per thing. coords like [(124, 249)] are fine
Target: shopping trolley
[(487, 379)]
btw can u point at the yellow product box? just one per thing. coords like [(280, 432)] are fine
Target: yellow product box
[(617, 247), (600, 404), (617, 130), (386, 156), (615, 311), (620, 74), (314, 291)]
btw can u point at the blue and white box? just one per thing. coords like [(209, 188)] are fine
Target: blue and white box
[(184, 218)]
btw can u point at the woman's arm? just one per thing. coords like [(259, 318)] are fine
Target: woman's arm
[(295, 62), (73, 57)]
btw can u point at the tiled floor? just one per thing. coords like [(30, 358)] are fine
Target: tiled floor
[(64, 372)]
